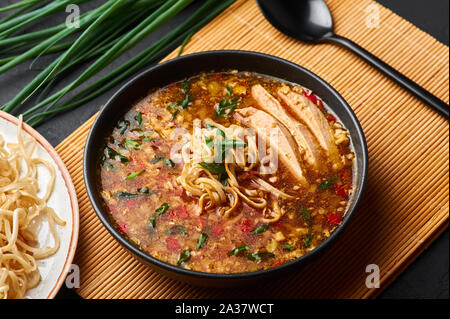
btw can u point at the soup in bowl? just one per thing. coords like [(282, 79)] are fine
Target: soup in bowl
[(227, 173)]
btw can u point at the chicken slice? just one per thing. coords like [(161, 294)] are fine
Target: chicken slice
[(303, 138), (315, 120), (262, 123)]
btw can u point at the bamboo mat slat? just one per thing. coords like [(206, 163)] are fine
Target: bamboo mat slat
[(406, 204)]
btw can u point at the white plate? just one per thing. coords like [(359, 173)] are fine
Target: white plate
[(63, 200)]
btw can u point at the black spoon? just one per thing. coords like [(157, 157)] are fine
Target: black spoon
[(311, 21)]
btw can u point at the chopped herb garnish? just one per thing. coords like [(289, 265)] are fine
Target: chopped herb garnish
[(260, 255), (186, 86), (127, 195), (141, 191), (144, 190), (305, 213), (138, 132), (223, 146), (114, 155), (177, 229), (184, 103), (174, 115), (102, 159), (223, 179), (123, 125), (308, 240), (187, 99), (325, 184), (166, 161), (184, 257), (143, 136), (226, 106), (212, 127), (216, 168), (152, 221), (209, 142), (201, 240), (120, 145), (172, 105), (138, 118), (287, 247), (236, 251), (161, 210), (260, 229), (229, 90), (156, 159), (133, 175), (134, 144), (234, 143)]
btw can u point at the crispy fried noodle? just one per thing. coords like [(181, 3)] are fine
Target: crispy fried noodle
[(20, 205)]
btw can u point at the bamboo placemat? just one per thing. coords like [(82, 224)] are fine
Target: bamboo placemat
[(406, 203)]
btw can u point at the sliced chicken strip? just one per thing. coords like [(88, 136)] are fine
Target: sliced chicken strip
[(262, 123), (310, 114), (303, 138)]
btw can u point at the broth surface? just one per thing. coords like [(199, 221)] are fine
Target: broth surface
[(139, 182)]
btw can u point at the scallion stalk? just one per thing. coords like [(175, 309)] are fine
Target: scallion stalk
[(106, 33)]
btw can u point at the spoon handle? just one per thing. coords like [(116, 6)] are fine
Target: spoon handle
[(425, 96)]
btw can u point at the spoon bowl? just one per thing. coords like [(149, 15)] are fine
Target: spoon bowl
[(311, 21)]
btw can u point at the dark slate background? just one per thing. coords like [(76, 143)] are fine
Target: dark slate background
[(427, 277)]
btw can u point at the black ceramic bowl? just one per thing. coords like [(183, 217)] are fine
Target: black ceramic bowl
[(186, 66)]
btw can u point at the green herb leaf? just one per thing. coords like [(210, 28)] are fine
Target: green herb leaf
[(133, 175), (229, 90), (217, 168), (174, 115), (209, 142), (260, 229), (144, 190), (114, 155), (177, 229), (156, 159), (134, 144), (162, 209), (186, 86), (172, 105), (152, 221), (223, 178), (234, 144), (201, 240), (325, 184), (123, 125), (184, 257), (219, 131), (288, 247), (260, 255), (166, 161), (127, 195), (225, 107), (187, 99), (305, 213), (308, 241), (138, 118), (236, 251)]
